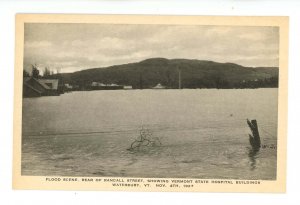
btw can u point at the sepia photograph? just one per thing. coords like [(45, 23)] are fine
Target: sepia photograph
[(167, 99)]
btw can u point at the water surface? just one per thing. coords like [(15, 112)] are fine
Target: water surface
[(203, 132)]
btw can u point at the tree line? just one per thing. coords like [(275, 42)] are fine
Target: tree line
[(35, 72)]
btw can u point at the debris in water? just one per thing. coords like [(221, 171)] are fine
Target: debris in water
[(145, 139), (254, 138)]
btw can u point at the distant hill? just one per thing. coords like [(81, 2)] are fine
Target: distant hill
[(194, 74)]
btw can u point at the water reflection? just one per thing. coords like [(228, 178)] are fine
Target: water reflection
[(252, 157)]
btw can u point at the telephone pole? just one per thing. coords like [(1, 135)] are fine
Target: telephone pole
[(179, 78)]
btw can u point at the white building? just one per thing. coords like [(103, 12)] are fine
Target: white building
[(159, 86), (128, 87)]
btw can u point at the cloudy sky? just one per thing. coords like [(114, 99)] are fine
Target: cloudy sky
[(74, 47)]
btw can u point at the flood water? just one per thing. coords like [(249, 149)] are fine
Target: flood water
[(203, 133)]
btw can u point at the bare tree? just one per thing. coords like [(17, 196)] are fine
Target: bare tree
[(58, 70), (46, 72)]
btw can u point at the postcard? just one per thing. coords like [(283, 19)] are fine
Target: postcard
[(150, 103)]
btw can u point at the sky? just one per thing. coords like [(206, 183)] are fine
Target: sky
[(74, 47)]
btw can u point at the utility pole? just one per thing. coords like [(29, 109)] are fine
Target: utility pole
[(179, 78)]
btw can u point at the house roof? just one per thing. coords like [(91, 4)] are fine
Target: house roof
[(48, 84), (32, 88), (25, 79), (51, 84)]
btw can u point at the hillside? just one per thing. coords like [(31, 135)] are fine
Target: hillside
[(194, 74)]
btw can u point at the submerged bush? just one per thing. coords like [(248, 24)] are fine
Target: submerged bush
[(145, 139)]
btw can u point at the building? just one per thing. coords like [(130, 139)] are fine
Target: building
[(33, 87), (159, 86), (68, 87), (101, 86), (30, 91), (127, 87), (51, 86), (97, 84)]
